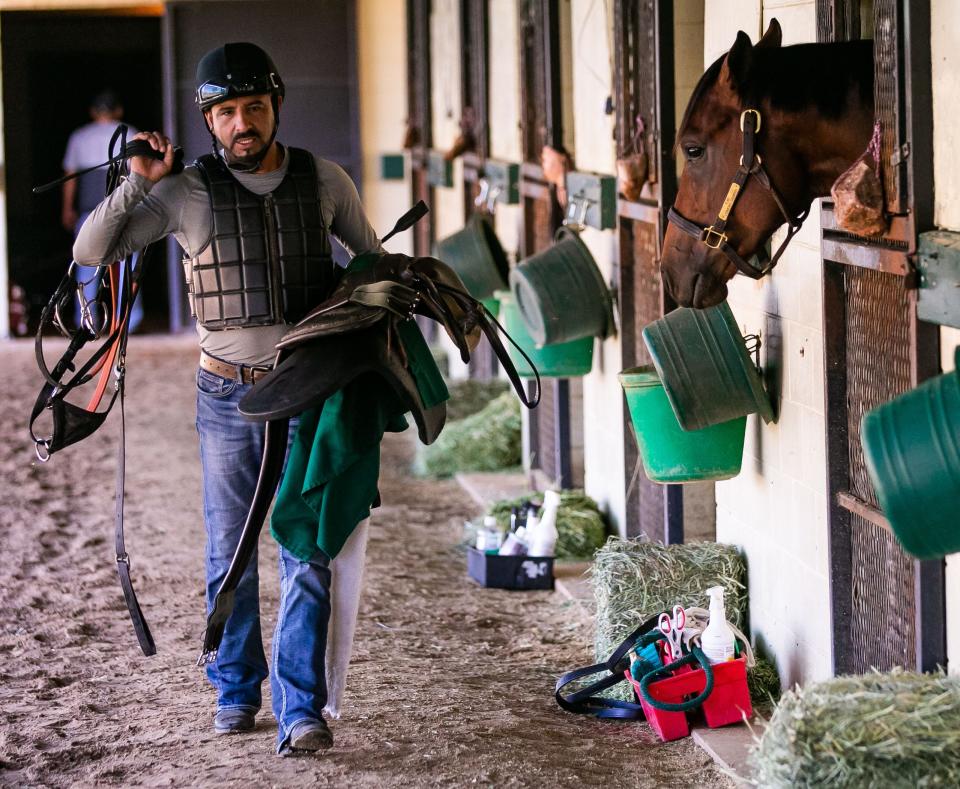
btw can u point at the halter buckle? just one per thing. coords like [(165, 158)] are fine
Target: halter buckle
[(743, 116), (709, 233)]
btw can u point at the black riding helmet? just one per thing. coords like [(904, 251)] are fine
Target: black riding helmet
[(234, 70)]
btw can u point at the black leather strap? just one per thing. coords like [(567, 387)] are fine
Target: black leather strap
[(750, 165), (586, 701), (140, 626), (271, 466)]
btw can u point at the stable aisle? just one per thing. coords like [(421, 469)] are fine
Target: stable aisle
[(450, 684)]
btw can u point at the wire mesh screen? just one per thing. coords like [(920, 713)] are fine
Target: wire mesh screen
[(882, 620), (878, 356), (646, 305), (546, 416), (886, 96), (882, 625)]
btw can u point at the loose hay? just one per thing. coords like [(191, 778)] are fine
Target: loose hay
[(469, 396), (883, 729), (581, 528), (489, 440)]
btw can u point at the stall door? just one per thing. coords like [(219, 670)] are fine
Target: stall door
[(888, 610), (552, 424), (644, 102)]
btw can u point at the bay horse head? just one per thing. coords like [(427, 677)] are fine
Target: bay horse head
[(767, 130)]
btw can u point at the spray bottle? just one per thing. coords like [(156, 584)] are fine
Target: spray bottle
[(543, 540), (717, 640)]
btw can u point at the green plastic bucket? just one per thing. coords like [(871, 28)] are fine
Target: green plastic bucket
[(561, 294), (566, 360), (705, 368), (912, 450), (476, 255), (669, 453)]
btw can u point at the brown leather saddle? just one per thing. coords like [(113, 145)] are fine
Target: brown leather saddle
[(354, 332)]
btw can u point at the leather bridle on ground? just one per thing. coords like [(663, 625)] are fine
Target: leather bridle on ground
[(714, 235)]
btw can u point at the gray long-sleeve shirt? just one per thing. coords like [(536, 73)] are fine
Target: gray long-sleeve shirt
[(139, 212)]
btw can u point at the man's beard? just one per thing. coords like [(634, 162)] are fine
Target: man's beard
[(252, 156)]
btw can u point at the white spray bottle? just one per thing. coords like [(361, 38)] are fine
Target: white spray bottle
[(717, 640), (544, 536)]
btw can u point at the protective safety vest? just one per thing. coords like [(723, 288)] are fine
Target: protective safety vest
[(269, 260)]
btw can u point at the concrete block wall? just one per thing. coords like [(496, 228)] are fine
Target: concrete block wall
[(383, 112), (595, 151), (776, 510)]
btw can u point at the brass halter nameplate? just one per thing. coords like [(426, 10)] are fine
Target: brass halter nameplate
[(728, 201)]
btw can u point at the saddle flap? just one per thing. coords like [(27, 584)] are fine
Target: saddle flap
[(313, 370)]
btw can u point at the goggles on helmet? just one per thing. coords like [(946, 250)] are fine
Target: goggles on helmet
[(210, 93)]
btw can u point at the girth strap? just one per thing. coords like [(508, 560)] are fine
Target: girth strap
[(271, 466), (586, 701)]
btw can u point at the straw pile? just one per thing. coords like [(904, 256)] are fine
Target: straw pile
[(883, 729), (488, 440), (634, 579), (581, 528), (469, 396)]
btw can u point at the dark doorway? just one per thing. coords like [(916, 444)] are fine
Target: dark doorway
[(53, 64)]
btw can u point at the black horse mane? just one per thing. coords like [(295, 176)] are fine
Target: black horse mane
[(797, 77)]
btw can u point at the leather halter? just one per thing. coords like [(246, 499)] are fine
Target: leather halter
[(714, 235)]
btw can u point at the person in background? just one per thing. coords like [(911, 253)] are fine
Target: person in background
[(86, 147)]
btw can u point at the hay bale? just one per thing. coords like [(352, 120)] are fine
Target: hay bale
[(489, 440), (469, 396), (634, 579), (882, 729), (763, 680), (581, 527)]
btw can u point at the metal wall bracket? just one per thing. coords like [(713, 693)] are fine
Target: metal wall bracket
[(439, 170), (392, 166), (938, 261), (504, 180), (595, 197)]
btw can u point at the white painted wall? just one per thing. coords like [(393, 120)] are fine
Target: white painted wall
[(504, 109), (595, 151), (776, 510), (945, 64), (447, 103), (381, 44)]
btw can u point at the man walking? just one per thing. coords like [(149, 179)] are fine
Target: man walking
[(254, 219)]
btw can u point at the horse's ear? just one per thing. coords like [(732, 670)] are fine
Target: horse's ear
[(736, 65), (773, 37)]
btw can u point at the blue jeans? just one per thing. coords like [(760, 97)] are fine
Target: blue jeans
[(230, 451)]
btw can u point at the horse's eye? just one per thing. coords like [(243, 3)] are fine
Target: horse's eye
[(693, 151)]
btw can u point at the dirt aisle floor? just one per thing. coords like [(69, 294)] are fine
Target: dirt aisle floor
[(450, 685)]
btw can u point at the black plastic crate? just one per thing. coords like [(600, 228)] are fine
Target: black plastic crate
[(510, 572)]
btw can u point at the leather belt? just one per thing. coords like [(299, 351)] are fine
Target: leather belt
[(244, 373)]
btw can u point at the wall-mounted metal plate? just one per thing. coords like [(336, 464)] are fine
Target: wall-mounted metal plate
[(504, 180), (592, 200), (391, 166), (439, 170), (938, 259)]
